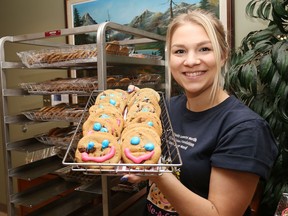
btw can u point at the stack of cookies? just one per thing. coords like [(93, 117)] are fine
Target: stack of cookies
[(122, 127), (140, 138)]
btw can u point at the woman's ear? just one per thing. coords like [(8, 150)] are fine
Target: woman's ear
[(223, 60)]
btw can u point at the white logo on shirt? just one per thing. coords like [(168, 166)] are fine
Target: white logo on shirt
[(185, 141)]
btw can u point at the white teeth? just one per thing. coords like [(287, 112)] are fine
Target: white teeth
[(193, 74)]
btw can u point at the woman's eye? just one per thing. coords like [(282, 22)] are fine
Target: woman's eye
[(205, 49), (179, 51)]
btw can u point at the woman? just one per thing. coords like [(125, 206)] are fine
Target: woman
[(225, 147)]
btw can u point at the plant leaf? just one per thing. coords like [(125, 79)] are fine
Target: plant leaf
[(275, 82), (267, 11), (261, 35), (248, 77), (250, 8), (263, 46), (275, 50), (261, 10), (279, 9), (283, 90), (282, 63), (264, 67), (248, 56)]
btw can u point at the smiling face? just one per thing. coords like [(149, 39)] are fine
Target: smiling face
[(192, 60)]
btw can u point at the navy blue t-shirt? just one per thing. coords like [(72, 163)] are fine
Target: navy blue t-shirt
[(229, 135)]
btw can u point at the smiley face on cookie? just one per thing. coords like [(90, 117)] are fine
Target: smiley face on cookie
[(140, 146), (98, 148)]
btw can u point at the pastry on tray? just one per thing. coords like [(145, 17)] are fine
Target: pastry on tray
[(132, 121)]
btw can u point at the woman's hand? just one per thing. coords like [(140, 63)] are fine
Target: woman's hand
[(134, 179), (132, 88)]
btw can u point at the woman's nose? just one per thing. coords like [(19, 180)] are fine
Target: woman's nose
[(191, 60)]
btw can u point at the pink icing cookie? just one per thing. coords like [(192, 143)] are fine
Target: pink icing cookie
[(140, 145), (101, 148)]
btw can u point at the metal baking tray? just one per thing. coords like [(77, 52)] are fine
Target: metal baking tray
[(63, 86), (70, 113), (169, 161)]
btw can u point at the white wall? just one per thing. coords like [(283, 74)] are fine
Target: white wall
[(243, 23)]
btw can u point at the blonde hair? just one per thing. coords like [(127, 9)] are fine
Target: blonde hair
[(215, 30)]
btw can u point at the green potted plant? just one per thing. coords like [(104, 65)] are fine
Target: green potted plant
[(258, 75)]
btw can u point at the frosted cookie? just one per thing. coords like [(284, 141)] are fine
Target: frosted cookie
[(116, 98), (122, 93), (147, 92), (140, 146), (146, 118), (143, 107), (104, 107), (102, 148), (143, 96), (141, 129), (150, 91), (104, 121)]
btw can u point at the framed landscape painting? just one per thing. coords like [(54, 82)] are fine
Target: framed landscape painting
[(149, 15)]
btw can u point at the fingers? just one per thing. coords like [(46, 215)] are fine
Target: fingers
[(132, 88), (124, 179), (132, 178)]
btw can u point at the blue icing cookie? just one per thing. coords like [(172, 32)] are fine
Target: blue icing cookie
[(105, 143), (90, 145), (104, 116), (97, 126), (150, 123), (113, 102), (135, 140), (149, 146), (103, 129)]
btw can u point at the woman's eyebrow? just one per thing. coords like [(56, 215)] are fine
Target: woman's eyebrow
[(197, 44)]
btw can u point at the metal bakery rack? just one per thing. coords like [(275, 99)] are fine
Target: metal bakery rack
[(61, 195), (169, 161)]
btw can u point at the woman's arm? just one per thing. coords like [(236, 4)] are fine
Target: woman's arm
[(230, 193)]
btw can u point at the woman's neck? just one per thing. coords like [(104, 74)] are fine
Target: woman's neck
[(203, 102)]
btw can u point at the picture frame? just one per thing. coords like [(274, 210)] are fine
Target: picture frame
[(226, 12)]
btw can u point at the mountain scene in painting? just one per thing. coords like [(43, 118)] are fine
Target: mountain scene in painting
[(148, 20)]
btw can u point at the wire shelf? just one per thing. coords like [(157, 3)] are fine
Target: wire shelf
[(169, 161), (60, 112)]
